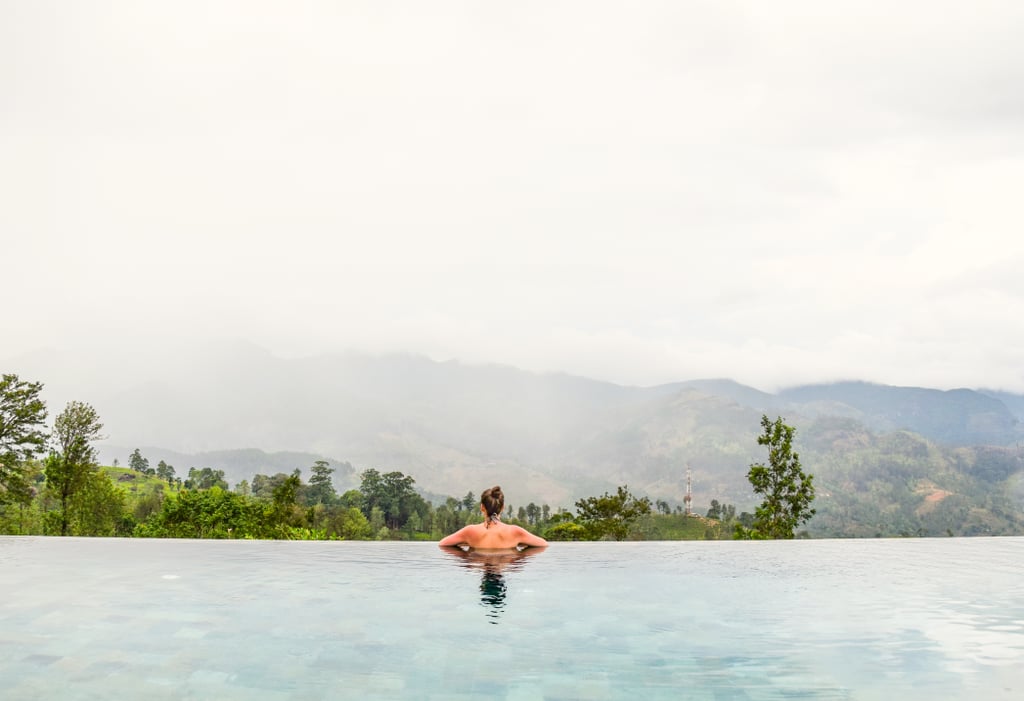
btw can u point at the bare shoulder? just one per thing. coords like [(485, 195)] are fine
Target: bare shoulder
[(458, 537), (529, 539)]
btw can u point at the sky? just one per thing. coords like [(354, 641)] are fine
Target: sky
[(640, 192)]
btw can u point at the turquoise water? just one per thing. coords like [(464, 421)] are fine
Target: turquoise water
[(145, 619)]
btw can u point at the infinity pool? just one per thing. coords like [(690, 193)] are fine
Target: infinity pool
[(852, 619)]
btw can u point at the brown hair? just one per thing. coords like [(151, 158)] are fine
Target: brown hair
[(493, 502)]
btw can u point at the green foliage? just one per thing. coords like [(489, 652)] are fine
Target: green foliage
[(98, 507), (721, 512), (377, 519), (22, 436), (321, 487), (349, 524), (206, 478), (786, 490), (165, 471), (139, 463), (392, 493), (284, 505), (208, 513), (263, 486), (448, 518), (566, 530), (68, 470), (611, 515), (679, 526)]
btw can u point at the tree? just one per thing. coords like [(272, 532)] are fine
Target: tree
[(207, 478), (611, 515), (787, 490), (69, 469), (207, 513), (285, 500), (321, 489), (447, 517), (393, 494), (350, 524), (22, 436), (138, 463), (98, 508), (165, 471), (566, 530), (715, 511), (353, 498)]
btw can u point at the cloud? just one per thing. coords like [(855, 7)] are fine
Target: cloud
[(777, 193)]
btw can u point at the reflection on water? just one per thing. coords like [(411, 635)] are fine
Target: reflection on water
[(493, 566)]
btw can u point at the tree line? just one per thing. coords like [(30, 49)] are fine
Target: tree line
[(52, 484)]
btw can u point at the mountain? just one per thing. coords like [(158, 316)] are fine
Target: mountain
[(954, 417), (1013, 402), (551, 438)]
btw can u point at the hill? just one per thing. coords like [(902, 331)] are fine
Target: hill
[(886, 459)]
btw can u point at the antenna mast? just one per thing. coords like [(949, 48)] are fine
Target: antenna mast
[(688, 499)]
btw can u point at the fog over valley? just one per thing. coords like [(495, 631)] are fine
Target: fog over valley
[(549, 438)]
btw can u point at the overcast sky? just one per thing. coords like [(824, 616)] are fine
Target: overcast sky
[(777, 192)]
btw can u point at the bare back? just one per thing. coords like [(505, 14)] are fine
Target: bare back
[(497, 536)]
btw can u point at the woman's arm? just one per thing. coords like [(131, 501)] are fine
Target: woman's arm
[(530, 540), (456, 538)]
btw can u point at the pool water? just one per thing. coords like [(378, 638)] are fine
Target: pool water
[(821, 619)]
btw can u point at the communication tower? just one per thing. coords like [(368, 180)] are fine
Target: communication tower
[(688, 499)]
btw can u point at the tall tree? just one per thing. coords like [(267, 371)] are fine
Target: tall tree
[(165, 471), (138, 463), (321, 489), (787, 490), (285, 500), (68, 470), (715, 511), (98, 508), (611, 515), (393, 494), (22, 435)]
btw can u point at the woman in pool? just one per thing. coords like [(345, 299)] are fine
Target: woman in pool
[(492, 534)]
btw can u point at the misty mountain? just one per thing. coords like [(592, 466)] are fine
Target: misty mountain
[(953, 417), (1013, 402), (544, 437)]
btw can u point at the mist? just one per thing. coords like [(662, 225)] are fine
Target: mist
[(779, 195)]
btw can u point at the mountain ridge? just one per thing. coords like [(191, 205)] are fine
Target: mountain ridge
[(546, 437)]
